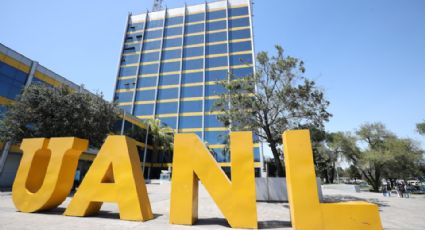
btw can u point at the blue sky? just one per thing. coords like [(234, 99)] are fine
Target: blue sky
[(368, 55)]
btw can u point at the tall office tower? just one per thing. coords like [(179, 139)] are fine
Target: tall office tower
[(172, 61)]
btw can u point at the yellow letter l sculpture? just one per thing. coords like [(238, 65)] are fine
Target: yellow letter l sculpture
[(46, 172), (307, 213), (115, 176), (193, 162)]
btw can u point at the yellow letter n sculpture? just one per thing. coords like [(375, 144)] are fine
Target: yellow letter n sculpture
[(46, 172), (115, 176), (192, 162), (306, 210)]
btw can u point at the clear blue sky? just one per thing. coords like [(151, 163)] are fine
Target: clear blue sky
[(368, 55)]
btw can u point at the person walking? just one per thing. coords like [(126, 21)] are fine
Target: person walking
[(76, 180), (384, 189)]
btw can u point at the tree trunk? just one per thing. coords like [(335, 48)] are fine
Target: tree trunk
[(277, 162)]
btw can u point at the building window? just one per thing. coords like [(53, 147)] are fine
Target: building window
[(194, 17), (190, 106), (190, 122), (166, 108)]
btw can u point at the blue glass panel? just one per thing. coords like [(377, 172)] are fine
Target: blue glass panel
[(194, 91), (209, 105), (155, 23), (171, 54), (216, 14), (194, 51), (170, 66), (148, 57), (194, 17), (153, 45), (166, 108), (216, 137), (172, 42), (240, 46), (192, 77), (124, 97), (126, 108), (239, 34), (211, 121), (148, 69), (238, 11), (257, 157), (167, 93), (142, 110), (146, 95), (239, 22), (12, 81), (169, 80), (242, 72), (169, 122), (241, 59), (173, 31), (216, 49), (216, 25), (194, 28), (190, 106), (129, 59), (135, 26), (190, 40), (131, 48), (126, 84), (193, 64), (211, 90), (222, 155), (190, 122), (146, 82), (216, 62), (128, 71), (216, 37), (174, 21), (153, 34), (216, 75)]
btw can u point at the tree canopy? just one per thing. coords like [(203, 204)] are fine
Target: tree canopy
[(376, 153), (277, 97), (43, 111), (421, 128)]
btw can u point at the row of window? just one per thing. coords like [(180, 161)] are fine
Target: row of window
[(235, 60), (187, 78), (12, 81), (189, 29), (187, 52), (189, 18), (171, 107), (189, 40), (171, 93)]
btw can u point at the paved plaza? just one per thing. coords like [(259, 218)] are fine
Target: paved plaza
[(396, 213)]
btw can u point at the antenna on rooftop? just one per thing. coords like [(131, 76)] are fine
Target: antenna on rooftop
[(157, 5)]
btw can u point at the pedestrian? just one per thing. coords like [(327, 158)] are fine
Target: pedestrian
[(400, 190), (389, 188), (384, 189), (76, 180), (407, 191)]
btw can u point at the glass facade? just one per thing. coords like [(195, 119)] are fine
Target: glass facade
[(172, 62)]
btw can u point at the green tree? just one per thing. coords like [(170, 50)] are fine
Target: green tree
[(335, 147), (43, 111), (384, 155), (421, 128), (162, 139), (277, 97)]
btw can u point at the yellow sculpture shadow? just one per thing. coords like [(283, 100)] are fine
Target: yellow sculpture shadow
[(306, 210)]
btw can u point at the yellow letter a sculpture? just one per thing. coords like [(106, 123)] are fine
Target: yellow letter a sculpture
[(192, 162), (115, 176), (46, 172), (307, 213)]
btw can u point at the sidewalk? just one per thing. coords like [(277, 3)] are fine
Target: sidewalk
[(396, 213)]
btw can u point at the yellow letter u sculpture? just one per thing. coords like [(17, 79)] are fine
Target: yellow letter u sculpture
[(192, 162), (46, 172), (307, 213)]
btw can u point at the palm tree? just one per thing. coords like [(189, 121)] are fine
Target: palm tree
[(162, 140)]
